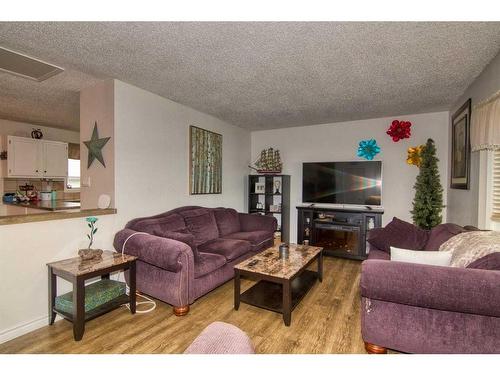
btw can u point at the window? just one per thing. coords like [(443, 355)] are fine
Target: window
[(73, 180), (495, 187)]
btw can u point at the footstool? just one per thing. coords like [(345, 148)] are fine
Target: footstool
[(221, 338)]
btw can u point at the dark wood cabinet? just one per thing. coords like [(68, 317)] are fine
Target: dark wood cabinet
[(269, 194), (341, 232)]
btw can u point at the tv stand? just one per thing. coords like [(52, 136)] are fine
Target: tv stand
[(341, 231)]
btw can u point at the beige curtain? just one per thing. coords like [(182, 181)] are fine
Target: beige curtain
[(485, 124), (74, 151)]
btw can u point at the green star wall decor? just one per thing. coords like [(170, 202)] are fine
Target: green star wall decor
[(95, 146)]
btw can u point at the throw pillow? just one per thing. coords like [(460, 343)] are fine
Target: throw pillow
[(488, 262), (201, 223), (399, 233), (469, 247), (433, 258), (442, 233)]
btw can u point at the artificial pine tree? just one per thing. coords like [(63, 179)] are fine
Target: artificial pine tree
[(428, 201)]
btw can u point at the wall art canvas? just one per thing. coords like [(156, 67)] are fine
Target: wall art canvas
[(205, 161), (460, 147)]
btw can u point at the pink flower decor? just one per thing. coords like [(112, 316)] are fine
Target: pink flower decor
[(399, 130)]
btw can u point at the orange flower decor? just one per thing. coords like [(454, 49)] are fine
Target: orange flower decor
[(415, 155)]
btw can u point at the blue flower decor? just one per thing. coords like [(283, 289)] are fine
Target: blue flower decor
[(368, 149)]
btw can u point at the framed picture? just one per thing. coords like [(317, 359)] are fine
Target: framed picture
[(460, 147), (205, 161), (260, 187)]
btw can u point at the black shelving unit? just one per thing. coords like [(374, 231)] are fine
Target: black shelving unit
[(270, 197)]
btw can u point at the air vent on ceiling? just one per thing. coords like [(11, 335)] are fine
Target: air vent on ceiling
[(27, 67)]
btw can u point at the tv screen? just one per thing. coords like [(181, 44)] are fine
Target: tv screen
[(355, 182)]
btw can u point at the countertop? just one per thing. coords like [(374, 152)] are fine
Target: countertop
[(47, 215), (49, 205)]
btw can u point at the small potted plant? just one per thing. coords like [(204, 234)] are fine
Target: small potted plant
[(90, 253)]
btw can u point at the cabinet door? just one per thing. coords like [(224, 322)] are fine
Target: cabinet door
[(23, 157), (55, 159)]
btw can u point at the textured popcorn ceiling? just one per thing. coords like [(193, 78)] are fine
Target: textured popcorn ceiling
[(254, 75)]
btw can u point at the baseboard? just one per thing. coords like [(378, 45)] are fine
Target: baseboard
[(22, 329)]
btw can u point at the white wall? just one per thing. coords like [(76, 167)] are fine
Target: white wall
[(465, 206), (151, 166), (25, 249), (339, 142), (152, 155)]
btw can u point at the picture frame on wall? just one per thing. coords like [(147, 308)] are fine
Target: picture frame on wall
[(205, 161), (460, 147)]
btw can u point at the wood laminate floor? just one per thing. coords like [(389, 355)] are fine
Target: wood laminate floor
[(327, 320)]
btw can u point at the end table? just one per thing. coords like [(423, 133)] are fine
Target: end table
[(76, 271)]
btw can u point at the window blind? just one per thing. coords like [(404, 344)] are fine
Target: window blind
[(496, 187)]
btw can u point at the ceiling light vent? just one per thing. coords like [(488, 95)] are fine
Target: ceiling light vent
[(25, 66)]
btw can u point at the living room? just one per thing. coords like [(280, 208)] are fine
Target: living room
[(334, 95)]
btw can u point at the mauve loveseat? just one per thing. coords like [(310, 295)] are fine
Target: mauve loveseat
[(189, 251), (416, 308)]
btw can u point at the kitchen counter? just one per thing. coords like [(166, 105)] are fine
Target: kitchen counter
[(30, 215), (49, 205)]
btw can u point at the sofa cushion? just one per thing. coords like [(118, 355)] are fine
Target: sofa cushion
[(207, 263), (229, 248), (255, 237), (228, 221), (399, 233), (442, 233), (182, 236), (378, 254), (170, 223), (201, 223)]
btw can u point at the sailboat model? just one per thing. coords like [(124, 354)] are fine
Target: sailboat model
[(269, 161)]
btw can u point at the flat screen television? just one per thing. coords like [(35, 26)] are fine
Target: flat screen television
[(353, 182)]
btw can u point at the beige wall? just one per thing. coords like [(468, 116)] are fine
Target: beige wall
[(96, 104), (23, 129), (339, 142), (464, 205)]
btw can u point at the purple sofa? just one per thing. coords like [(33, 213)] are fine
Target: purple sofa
[(415, 308), (189, 251)]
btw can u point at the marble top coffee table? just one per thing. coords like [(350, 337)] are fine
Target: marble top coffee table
[(282, 282)]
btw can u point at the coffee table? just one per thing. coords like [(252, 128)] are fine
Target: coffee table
[(282, 282)]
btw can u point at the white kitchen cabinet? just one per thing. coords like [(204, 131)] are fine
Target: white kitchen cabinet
[(35, 158), (55, 159)]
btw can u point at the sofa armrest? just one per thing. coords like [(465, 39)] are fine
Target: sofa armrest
[(249, 222), (463, 290), (161, 252)]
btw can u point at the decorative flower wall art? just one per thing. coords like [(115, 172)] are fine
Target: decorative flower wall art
[(399, 130), (368, 149), (415, 155)]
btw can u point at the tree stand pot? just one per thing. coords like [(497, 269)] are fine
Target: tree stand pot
[(88, 254)]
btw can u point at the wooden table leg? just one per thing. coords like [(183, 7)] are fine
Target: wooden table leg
[(236, 289), (132, 286), (78, 308), (320, 266), (287, 302), (52, 295)]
